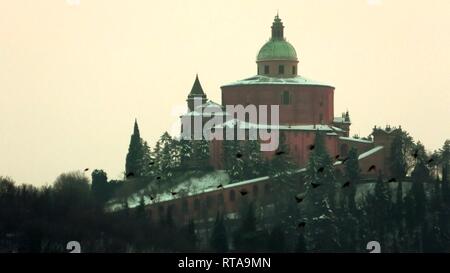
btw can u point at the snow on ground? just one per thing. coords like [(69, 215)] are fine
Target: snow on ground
[(191, 186)]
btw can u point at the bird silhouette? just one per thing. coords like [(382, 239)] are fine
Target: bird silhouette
[(152, 197), (174, 193), (337, 156), (372, 168), (299, 198), (87, 169), (311, 147), (243, 192), (346, 184), (220, 186), (315, 185), (158, 177), (238, 155)]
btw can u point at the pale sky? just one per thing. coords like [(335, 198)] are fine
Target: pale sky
[(73, 76)]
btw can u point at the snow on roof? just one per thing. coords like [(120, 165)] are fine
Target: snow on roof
[(205, 114), (356, 139), (248, 125), (261, 79), (370, 152), (191, 186), (340, 120), (209, 103)]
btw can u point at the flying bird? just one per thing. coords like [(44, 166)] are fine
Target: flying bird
[(314, 185), (346, 184), (372, 168), (243, 192), (299, 198)]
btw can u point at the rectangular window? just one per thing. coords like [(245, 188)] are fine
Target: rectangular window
[(266, 69), (294, 70), (281, 69)]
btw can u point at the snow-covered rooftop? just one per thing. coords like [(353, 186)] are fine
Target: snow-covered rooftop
[(356, 139), (261, 79), (247, 125), (340, 120)]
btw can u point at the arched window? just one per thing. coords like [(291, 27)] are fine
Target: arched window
[(208, 202), (185, 206), (285, 98), (220, 200), (232, 195), (255, 190), (344, 150), (196, 204)]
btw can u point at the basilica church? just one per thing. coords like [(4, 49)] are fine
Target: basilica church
[(306, 107)]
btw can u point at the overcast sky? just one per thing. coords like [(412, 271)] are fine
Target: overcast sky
[(75, 74)]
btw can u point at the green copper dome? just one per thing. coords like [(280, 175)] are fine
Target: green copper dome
[(277, 49)]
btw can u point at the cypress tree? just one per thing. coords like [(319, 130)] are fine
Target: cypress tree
[(134, 159)]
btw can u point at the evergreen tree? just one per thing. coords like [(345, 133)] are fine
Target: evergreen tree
[(378, 209), (420, 175), (276, 242), (166, 155), (254, 164), (320, 202), (219, 240), (233, 161), (134, 160), (352, 174), (300, 246), (246, 237), (99, 186), (401, 154)]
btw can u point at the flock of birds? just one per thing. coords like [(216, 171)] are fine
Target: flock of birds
[(299, 197)]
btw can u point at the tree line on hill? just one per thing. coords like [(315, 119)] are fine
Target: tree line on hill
[(324, 216)]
